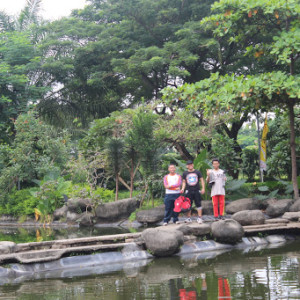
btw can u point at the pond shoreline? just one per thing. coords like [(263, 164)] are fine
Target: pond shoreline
[(131, 258)]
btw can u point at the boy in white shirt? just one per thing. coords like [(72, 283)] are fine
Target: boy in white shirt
[(216, 178)]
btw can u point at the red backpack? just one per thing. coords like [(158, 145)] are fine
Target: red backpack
[(182, 204)]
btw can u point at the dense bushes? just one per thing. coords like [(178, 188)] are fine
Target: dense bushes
[(36, 150)]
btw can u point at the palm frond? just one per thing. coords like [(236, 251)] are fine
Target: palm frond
[(29, 14), (6, 22)]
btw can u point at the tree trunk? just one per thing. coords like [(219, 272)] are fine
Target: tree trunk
[(291, 105), (132, 175), (144, 195), (232, 133), (124, 183), (184, 153), (117, 187), (293, 148), (131, 178)]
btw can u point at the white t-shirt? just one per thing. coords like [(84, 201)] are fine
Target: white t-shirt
[(174, 181), (218, 188)]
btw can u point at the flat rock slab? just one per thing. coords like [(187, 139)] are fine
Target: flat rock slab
[(38, 256), (151, 216), (293, 216), (272, 227), (277, 221), (53, 250)]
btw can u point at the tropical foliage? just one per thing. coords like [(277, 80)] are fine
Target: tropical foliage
[(108, 96)]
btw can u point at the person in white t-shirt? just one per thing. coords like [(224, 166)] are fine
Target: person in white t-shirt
[(216, 178), (172, 183)]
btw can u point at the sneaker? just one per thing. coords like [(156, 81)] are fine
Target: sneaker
[(216, 218), (177, 222), (165, 224), (221, 218), (199, 220), (188, 220)]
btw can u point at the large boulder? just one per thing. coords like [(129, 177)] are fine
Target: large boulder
[(241, 204), (207, 208), (72, 217), (7, 247), (227, 231), (160, 242), (86, 219), (151, 216), (295, 206), (60, 213), (249, 217), (79, 205), (279, 208), (116, 211), (263, 204), (195, 229)]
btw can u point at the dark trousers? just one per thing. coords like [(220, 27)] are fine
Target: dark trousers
[(169, 207)]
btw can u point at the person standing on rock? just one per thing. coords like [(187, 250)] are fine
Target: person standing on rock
[(190, 179), (216, 178), (172, 183)]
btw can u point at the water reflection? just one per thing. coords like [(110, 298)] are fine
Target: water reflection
[(265, 274), (31, 234)]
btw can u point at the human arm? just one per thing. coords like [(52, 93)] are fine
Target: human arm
[(166, 185), (183, 186), (207, 175), (202, 185)]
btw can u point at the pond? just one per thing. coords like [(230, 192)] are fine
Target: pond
[(39, 234), (239, 274)]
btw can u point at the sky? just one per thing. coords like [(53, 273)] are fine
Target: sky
[(51, 9)]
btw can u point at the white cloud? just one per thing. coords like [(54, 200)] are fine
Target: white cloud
[(51, 9)]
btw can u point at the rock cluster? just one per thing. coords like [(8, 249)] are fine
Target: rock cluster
[(81, 211)]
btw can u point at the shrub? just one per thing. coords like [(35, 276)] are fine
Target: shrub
[(36, 150), (19, 203)]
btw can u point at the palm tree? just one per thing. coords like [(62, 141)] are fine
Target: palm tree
[(115, 158), (28, 16)]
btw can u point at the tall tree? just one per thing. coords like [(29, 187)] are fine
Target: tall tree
[(113, 53), (20, 85), (271, 33), (18, 88)]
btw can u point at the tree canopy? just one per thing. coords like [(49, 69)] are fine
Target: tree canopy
[(144, 82)]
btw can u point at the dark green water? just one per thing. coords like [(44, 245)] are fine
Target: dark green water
[(29, 234), (262, 274)]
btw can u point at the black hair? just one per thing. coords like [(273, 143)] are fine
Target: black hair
[(172, 164), (215, 159)]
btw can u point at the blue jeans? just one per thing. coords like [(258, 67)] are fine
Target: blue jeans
[(169, 206)]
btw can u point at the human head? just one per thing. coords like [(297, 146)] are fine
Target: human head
[(190, 165), (172, 168), (215, 163)]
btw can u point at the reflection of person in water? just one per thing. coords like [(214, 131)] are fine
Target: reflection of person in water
[(191, 293), (223, 289)]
